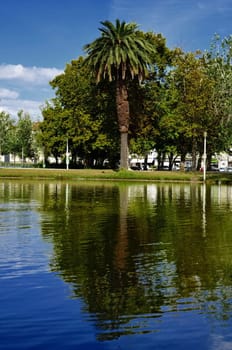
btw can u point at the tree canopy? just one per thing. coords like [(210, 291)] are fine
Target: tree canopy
[(121, 53), (131, 94)]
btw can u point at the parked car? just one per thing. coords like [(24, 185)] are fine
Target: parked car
[(214, 168), (164, 168), (137, 166)]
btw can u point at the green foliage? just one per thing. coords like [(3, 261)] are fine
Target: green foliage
[(16, 135), (83, 113), (147, 99), (120, 53), (218, 61), (6, 126), (164, 99), (185, 106), (53, 135), (24, 134), (182, 95)]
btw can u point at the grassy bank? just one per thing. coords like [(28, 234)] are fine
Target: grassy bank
[(92, 174)]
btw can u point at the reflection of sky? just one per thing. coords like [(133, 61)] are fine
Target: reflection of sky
[(22, 251), (36, 305), (220, 342)]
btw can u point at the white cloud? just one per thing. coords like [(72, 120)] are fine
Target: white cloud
[(6, 93), (25, 88), (33, 75), (14, 106)]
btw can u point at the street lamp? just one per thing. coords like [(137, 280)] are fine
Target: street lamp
[(67, 156), (204, 156)]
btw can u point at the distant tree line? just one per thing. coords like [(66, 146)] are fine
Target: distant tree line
[(131, 90), (18, 137)]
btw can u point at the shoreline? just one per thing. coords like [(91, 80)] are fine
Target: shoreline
[(107, 174)]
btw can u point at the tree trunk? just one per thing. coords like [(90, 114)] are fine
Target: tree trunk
[(170, 161), (122, 105), (145, 161), (124, 151), (182, 161), (194, 154)]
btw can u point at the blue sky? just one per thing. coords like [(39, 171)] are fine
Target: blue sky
[(39, 37)]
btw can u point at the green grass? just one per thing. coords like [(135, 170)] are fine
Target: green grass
[(92, 174)]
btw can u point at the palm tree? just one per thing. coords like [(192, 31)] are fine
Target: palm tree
[(121, 53)]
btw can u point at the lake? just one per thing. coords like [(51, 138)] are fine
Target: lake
[(114, 265)]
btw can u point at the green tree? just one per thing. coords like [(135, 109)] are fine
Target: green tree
[(189, 92), (218, 60), (52, 135), (84, 113), (6, 124), (24, 135), (146, 99), (122, 54)]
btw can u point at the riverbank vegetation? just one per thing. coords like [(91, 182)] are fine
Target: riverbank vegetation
[(122, 175), (165, 100)]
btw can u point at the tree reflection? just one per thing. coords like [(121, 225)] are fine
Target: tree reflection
[(137, 251)]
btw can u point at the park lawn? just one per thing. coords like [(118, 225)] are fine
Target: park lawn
[(78, 174), (107, 174)]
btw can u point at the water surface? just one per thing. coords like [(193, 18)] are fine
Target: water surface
[(115, 266)]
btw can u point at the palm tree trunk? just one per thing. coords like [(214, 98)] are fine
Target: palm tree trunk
[(122, 105), (124, 151)]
